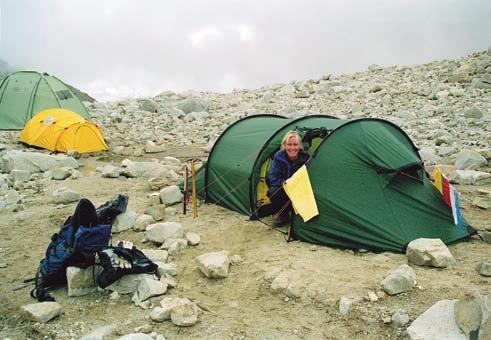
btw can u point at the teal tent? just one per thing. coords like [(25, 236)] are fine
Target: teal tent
[(368, 180), (25, 93)]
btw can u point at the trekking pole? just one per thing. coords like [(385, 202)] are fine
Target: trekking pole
[(193, 178), (184, 197)]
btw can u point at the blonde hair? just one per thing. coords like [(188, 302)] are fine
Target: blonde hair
[(291, 133)]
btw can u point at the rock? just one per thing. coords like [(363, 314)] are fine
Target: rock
[(166, 269), (174, 246), (148, 288), (468, 312), (473, 112), (143, 169), (192, 105), (19, 175), (128, 283), (65, 195), (185, 314), (345, 304), (163, 312), (156, 255), (148, 105), (170, 195), (280, 283), (484, 268), (159, 232), (399, 281), (136, 336), (192, 238), (152, 147), (61, 173), (36, 162), (469, 177), (142, 221), (214, 265), (429, 252), (437, 322), (469, 160), (109, 171), (400, 318), (486, 235), (42, 311), (156, 183), (124, 221), (156, 211), (100, 333), (81, 281)]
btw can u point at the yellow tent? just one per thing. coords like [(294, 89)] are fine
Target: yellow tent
[(62, 130)]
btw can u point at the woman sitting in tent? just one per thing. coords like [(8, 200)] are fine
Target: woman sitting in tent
[(286, 161)]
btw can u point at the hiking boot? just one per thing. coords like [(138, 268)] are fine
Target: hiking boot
[(280, 221)]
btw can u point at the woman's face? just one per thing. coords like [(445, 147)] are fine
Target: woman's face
[(292, 147)]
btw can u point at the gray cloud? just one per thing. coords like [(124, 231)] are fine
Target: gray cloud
[(116, 48)]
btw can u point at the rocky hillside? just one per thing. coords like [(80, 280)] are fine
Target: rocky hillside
[(222, 276)]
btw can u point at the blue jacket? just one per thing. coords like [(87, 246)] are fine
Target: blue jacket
[(282, 169)]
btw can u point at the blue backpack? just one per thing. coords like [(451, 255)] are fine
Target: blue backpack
[(76, 244)]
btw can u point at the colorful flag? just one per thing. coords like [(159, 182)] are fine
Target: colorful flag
[(455, 203), (437, 175), (450, 197), (299, 190), (446, 190)]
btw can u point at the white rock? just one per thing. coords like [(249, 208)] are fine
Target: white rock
[(174, 245), (214, 265), (65, 195), (148, 288), (156, 255), (170, 195), (185, 314), (124, 221), (136, 336), (61, 173), (128, 283), (142, 221), (81, 281), (163, 312), (400, 280), (42, 311), (436, 323), (157, 211), (429, 252), (192, 238), (36, 162), (159, 232), (166, 269)]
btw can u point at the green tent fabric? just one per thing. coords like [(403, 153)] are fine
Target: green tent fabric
[(367, 177), (25, 93)]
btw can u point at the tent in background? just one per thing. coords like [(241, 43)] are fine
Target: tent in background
[(367, 177), (25, 93), (62, 130)]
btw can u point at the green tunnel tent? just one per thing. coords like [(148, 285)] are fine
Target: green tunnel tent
[(25, 93), (367, 177)]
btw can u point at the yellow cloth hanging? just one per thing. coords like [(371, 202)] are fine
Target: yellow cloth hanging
[(438, 179), (300, 192)]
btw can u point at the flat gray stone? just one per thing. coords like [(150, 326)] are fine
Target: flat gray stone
[(42, 311)]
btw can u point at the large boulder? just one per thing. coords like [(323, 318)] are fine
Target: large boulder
[(170, 195), (469, 160), (429, 252), (36, 162), (143, 169), (437, 322), (192, 105)]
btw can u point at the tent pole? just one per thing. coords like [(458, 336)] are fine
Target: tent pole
[(195, 202)]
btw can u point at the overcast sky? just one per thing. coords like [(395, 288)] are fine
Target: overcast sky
[(118, 48)]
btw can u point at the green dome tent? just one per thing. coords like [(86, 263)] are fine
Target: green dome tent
[(368, 180), (25, 93)]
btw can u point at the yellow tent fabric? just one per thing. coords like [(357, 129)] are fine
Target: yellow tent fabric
[(62, 130), (299, 190)]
